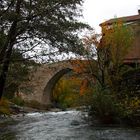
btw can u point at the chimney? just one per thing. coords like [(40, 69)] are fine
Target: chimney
[(139, 11)]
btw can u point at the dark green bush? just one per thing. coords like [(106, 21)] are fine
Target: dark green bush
[(18, 101), (104, 106)]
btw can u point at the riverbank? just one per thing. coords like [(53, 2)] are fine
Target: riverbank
[(20, 111)]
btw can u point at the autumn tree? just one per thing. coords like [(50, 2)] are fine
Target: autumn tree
[(114, 47), (102, 63), (29, 24), (104, 68), (104, 54)]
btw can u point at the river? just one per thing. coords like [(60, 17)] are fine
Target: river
[(65, 125)]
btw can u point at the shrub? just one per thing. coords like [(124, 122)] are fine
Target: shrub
[(35, 104), (4, 107), (104, 106), (107, 108), (131, 114), (18, 101)]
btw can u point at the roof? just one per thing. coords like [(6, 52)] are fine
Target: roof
[(123, 19)]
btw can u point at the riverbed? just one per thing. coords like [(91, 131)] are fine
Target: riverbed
[(63, 125)]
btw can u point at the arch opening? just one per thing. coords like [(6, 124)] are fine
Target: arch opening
[(47, 94)]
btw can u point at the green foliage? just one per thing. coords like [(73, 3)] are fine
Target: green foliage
[(115, 45), (18, 73), (118, 39), (130, 81), (104, 106), (35, 104), (52, 22), (4, 107), (131, 110), (66, 93), (18, 101)]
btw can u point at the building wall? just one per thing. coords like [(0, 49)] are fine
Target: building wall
[(134, 54)]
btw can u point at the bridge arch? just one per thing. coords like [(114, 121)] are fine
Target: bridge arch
[(48, 90), (43, 80)]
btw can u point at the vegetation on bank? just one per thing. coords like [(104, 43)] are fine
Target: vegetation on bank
[(114, 95), (4, 107), (17, 106)]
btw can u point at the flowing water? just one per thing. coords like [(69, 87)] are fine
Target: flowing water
[(66, 125)]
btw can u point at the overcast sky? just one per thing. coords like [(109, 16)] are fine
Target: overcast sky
[(97, 11)]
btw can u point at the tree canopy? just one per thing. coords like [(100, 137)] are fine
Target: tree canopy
[(25, 24), (53, 22)]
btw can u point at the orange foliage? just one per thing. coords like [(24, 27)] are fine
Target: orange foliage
[(84, 87), (79, 66)]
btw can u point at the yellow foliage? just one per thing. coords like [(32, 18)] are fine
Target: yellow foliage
[(4, 107), (84, 87), (135, 103), (118, 38), (66, 92)]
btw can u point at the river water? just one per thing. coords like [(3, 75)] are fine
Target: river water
[(66, 125)]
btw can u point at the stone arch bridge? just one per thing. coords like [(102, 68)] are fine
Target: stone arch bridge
[(44, 79)]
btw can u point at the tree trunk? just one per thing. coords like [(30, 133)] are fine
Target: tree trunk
[(2, 83), (6, 58), (5, 70), (9, 45)]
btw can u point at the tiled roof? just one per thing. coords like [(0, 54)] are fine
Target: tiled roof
[(123, 19)]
